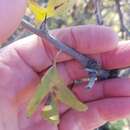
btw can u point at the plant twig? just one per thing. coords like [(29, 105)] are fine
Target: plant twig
[(98, 12), (123, 27), (88, 63), (83, 59)]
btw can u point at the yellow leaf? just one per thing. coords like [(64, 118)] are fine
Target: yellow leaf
[(54, 8), (47, 83), (38, 11), (50, 112), (59, 7)]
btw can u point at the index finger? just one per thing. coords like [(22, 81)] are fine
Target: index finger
[(91, 39)]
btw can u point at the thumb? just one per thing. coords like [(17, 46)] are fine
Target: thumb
[(11, 12)]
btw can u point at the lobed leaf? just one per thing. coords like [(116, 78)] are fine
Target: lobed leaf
[(65, 95), (54, 8), (38, 11), (52, 82)]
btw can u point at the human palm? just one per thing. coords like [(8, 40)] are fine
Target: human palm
[(24, 62)]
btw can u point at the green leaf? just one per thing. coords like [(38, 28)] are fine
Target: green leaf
[(52, 82), (67, 97), (50, 112), (47, 83)]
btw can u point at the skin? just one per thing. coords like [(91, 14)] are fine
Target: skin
[(24, 62)]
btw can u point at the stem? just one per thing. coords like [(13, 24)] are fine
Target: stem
[(98, 12), (123, 28), (83, 59), (90, 65)]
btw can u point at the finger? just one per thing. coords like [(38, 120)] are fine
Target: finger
[(117, 58), (39, 54), (41, 126), (90, 39), (72, 70), (11, 12), (109, 60), (103, 89), (32, 50), (98, 113)]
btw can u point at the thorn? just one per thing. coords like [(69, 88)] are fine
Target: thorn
[(56, 57), (91, 70), (43, 26), (92, 80), (45, 21)]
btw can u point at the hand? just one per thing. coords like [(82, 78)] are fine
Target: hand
[(23, 62)]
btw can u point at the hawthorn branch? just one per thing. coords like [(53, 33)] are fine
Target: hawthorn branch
[(84, 60), (88, 63)]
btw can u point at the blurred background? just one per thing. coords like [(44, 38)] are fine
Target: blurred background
[(112, 13)]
